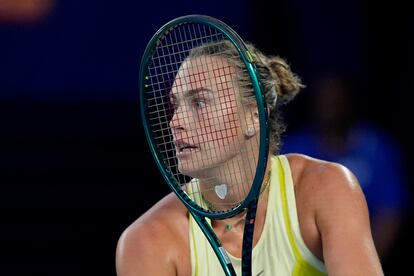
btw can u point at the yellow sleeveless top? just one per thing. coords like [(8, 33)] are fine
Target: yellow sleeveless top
[(280, 250)]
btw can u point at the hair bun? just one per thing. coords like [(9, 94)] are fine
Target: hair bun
[(287, 83)]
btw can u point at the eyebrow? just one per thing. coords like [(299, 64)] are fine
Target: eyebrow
[(192, 92)]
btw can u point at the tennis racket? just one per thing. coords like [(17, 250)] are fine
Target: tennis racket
[(205, 119)]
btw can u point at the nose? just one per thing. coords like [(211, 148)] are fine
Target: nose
[(178, 120)]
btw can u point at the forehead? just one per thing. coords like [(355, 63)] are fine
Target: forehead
[(203, 72)]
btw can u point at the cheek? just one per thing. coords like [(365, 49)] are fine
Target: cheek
[(230, 120), (231, 123), (221, 125), (233, 131)]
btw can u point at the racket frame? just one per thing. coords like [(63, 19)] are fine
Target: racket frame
[(251, 200)]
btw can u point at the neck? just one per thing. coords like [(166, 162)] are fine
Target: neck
[(235, 225), (229, 183), (213, 207)]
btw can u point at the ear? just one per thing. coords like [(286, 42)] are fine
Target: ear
[(252, 120)]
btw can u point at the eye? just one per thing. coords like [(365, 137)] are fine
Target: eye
[(199, 103)]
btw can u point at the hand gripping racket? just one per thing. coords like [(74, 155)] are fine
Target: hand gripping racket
[(205, 119)]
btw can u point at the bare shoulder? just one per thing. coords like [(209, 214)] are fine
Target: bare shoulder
[(327, 189), (154, 243), (331, 199), (321, 176)]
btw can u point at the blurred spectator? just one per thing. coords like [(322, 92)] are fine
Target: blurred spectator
[(20, 11), (335, 134)]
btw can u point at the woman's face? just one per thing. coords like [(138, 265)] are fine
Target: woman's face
[(207, 123)]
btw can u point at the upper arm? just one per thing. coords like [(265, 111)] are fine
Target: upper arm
[(343, 222), (142, 251)]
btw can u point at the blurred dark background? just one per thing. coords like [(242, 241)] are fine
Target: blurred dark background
[(75, 167)]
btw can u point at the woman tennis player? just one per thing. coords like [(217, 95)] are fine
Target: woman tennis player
[(311, 219)]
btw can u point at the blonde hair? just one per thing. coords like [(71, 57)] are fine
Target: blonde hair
[(279, 83)]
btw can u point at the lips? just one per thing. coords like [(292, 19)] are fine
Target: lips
[(182, 147)]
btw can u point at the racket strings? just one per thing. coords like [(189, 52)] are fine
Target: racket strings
[(168, 58)]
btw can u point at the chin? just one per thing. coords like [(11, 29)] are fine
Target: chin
[(199, 168), (189, 168)]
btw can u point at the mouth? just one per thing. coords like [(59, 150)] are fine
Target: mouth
[(182, 147)]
